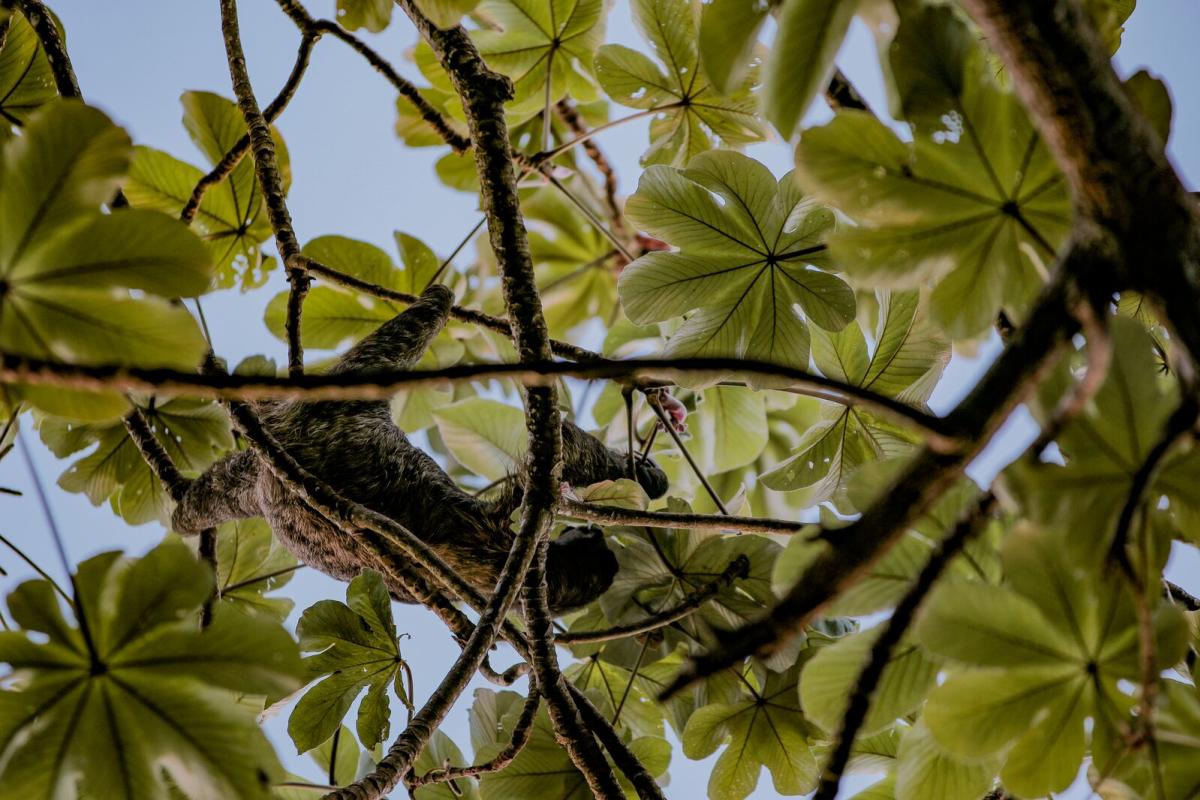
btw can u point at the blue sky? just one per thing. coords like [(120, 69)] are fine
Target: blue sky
[(352, 177)]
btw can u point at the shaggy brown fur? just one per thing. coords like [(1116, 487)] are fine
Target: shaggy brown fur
[(355, 447)]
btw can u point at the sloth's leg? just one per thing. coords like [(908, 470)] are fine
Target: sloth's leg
[(587, 460), (399, 342), (225, 491)]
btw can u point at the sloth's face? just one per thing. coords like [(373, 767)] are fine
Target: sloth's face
[(579, 568)]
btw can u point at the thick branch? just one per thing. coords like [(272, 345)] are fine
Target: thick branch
[(483, 94), (266, 167), (941, 433), (738, 568), (881, 651)]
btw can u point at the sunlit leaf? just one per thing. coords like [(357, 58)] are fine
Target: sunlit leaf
[(145, 693)]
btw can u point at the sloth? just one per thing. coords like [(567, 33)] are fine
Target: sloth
[(355, 447)]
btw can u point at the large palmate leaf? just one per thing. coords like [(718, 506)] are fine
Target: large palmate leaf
[(906, 362), (69, 273), (1105, 448), (544, 46), (26, 82), (1036, 661), (692, 116), (973, 204), (141, 692), (744, 268), (763, 728), (194, 433), (356, 648), (232, 218)]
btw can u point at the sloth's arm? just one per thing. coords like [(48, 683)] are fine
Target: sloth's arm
[(399, 342), (225, 491)]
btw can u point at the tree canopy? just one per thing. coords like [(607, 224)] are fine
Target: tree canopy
[(822, 591)]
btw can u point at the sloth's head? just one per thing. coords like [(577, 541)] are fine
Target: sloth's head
[(579, 568)]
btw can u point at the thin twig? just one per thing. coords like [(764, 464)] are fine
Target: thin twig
[(231, 159), (21, 554), (570, 115), (859, 702), (521, 733), (667, 423), (738, 568)]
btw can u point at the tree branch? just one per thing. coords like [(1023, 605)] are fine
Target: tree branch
[(881, 651), (1114, 161), (614, 515), (942, 434), (469, 315), (738, 568), (266, 166), (310, 26), (234, 157), (520, 737), (176, 484)]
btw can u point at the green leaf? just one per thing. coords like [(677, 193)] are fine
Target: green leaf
[(1104, 448), (728, 35), (194, 434), (485, 436), (374, 15), (1036, 661), (621, 493), (832, 674), (809, 37), (693, 117), (67, 270), (907, 359), (767, 730), (661, 568), (250, 563), (926, 772), (730, 428), (974, 204), (26, 82), (445, 13), (335, 317), (232, 218), (148, 696), (357, 648), (744, 266), (540, 42)]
